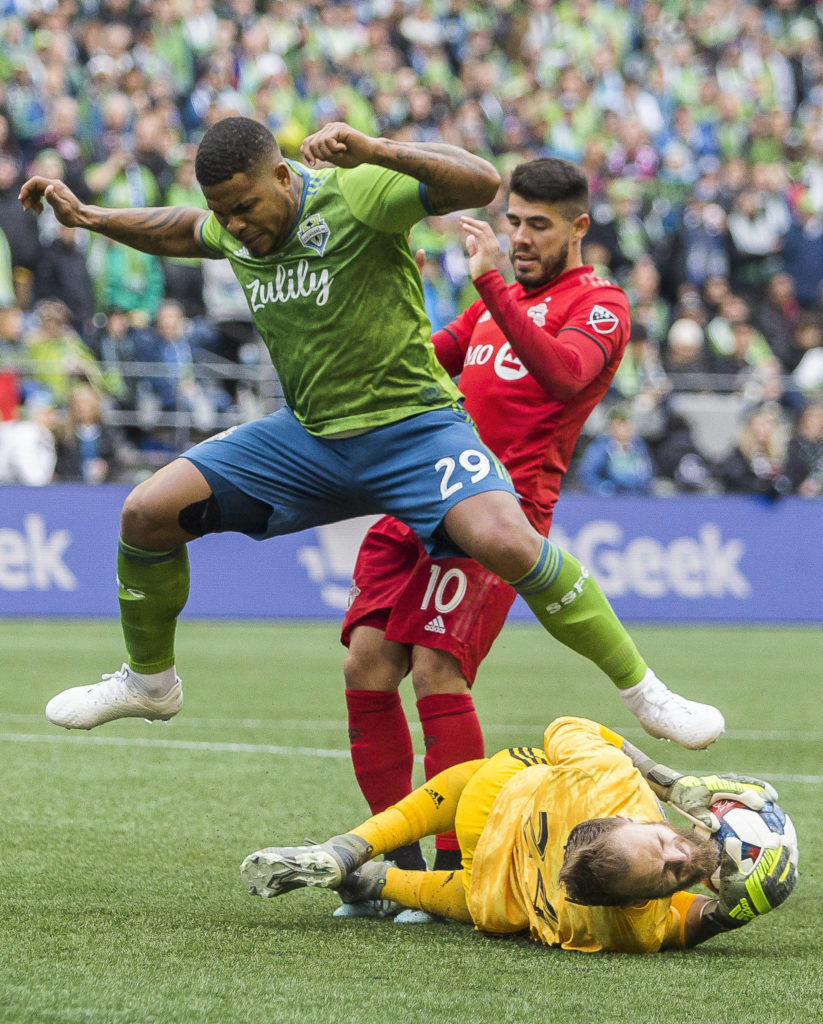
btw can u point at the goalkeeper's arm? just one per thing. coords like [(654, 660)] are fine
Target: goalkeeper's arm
[(701, 921), (693, 795)]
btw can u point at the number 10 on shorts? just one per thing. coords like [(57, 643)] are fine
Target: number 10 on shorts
[(440, 583)]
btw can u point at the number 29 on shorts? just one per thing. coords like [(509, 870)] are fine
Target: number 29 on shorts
[(475, 463)]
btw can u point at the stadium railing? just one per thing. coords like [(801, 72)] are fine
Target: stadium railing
[(712, 403)]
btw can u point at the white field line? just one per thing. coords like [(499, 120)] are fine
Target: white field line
[(339, 725), (144, 741), (253, 748)]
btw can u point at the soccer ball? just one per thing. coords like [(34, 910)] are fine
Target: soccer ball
[(745, 834)]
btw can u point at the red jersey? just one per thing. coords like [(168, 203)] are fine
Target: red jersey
[(532, 366)]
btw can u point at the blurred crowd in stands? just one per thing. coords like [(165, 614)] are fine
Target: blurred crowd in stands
[(699, 124)]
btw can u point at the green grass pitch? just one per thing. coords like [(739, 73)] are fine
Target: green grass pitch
[(120, 898)]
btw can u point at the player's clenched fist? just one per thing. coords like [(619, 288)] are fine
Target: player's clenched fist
[(339, 144), (67, 207)]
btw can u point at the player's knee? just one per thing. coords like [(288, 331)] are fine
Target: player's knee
[(436, 672), (362, 671), (493, 529), (426, 685), (143, 518), (353, 670), (506, 544)]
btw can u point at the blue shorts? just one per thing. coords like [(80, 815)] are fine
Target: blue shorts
[(272, 476)]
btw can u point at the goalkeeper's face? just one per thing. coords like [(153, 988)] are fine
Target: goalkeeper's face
[(543, 242), (662, 859)]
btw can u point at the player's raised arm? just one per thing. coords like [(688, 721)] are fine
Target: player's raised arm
[(454, 178), (562, 366), (161, 231)]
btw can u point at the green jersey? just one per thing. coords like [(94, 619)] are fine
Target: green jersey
[(340, 304)]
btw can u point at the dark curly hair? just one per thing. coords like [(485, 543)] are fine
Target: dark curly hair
[(552, 180), (233, 146)]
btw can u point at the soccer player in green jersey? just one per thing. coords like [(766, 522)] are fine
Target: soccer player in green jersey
[(373, 423)]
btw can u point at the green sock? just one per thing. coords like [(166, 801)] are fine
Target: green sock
[(153, 587), (569, 604)]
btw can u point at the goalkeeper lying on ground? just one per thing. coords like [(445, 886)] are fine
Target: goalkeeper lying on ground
[(568, 843)]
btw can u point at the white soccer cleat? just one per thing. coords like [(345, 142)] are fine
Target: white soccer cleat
[(279, 869), (669, 716), (115, 696)]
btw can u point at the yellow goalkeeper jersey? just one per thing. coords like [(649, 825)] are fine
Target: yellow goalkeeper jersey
[(514, 885)]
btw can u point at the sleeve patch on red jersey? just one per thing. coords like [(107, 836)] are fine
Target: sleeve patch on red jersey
[(603, 320)]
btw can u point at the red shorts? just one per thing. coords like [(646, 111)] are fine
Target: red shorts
[(452, 604)]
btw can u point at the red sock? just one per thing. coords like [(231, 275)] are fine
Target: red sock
[(452, 734), (381, 746)]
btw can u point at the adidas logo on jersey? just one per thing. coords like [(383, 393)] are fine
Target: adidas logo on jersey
[(436, 625), (242, 252), (437, 797), (538, 314)]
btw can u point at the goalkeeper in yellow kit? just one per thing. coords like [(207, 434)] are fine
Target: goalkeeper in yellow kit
[(568, 843)]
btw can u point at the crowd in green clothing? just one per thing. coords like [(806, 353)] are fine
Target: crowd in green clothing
[(699, 124), (667, 105)]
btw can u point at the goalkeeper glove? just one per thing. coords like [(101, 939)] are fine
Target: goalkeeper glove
[(744, 897), (693, 795)]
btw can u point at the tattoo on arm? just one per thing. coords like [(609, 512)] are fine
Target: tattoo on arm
[(452, 176), (160, 231)]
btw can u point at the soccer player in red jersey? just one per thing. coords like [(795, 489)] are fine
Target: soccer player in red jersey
[(533, 359)]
